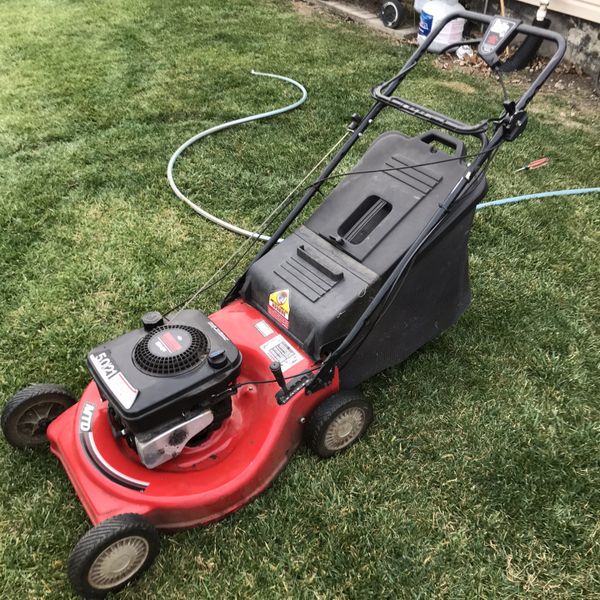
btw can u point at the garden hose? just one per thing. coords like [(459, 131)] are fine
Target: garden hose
[(514, 199), (227, 125)]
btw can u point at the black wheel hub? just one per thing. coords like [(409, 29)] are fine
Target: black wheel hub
[(26, 416), (42, 426), (35, 421), (389, 14)]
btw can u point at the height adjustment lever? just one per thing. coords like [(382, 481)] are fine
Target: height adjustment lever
[(278, 374)]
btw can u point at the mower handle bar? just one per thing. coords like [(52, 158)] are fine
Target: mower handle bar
[(383, 92)]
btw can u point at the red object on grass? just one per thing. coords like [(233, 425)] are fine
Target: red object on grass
[(204, 483)]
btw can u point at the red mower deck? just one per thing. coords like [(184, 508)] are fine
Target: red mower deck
[(205, 483)]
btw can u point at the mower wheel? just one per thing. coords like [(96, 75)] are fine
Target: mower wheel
[(26, 416), (112, 554), (338, 422)]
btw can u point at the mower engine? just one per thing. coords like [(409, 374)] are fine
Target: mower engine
[(167, 385)]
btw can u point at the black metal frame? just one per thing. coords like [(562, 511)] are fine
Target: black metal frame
[(507, 127)]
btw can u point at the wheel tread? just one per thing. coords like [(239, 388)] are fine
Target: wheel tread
[(96, 539)]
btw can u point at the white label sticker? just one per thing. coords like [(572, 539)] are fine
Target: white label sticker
[(124, 392), (278, 349), (264, 328)]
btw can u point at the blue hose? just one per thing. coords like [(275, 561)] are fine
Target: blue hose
[(574, 192)]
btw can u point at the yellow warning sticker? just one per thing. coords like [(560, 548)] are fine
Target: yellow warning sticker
[(279, 306)]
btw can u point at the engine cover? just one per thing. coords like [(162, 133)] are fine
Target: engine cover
[(156, 374)]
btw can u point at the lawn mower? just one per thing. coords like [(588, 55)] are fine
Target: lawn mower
[(190, 417)]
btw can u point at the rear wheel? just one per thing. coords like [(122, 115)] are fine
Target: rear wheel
[(338, 422), (26, 416), (112, 554)]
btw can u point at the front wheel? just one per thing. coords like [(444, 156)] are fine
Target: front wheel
[(112, 554), (26, 416), (338, 422)]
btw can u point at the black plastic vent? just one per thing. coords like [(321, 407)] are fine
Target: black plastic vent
[(171, 350)]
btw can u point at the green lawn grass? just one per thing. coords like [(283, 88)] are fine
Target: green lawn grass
[(480, 475)]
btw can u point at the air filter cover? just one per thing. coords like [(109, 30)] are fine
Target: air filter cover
[(171, 350)]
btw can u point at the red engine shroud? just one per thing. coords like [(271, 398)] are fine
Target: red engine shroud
[(205, 483)]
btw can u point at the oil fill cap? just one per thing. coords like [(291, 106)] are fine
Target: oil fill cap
[(217, 359), (151, 320)]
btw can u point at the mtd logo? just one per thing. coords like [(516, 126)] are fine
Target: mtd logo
[(85, 421)]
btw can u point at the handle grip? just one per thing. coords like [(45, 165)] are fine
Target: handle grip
[(434, 135)]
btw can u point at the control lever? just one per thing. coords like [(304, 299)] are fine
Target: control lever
[(279, 378)]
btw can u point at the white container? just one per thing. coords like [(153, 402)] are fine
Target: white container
[(419, 5), (431, 14)]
